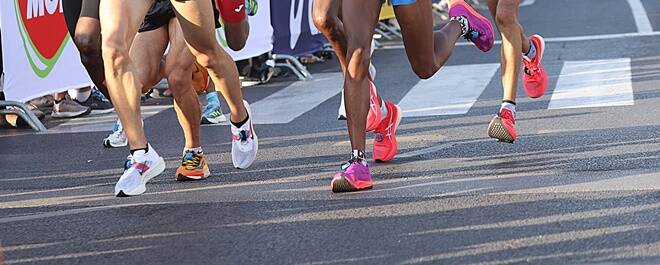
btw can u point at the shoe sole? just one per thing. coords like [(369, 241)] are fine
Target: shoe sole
[(254, 137), (182, 177), (108, 144), (70, 114), (483, 19), (496, 130), (343, 185), (102, 111), (148, 175), (396, 143), (218, 120)]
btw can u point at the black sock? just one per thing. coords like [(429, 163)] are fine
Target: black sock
[(239, 124), (509, 101), (146, 149)]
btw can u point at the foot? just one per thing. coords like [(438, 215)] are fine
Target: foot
[(374, 116), (353, 177), (117, 138), (476, 28), (193, 167), (97, 102), (244, 142), (535, 79), (251, 7), (213, 114), (144, 166), (68, 108), (385, 144), (502, 127)]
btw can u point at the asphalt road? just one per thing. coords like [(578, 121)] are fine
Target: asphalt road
[(580, 186)]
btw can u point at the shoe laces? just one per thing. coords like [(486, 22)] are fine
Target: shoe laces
[(507, 115), (243, 135), (531, 68), (191, 159)]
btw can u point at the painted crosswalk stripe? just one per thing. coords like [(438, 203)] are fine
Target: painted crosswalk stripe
[(289, 103), (452, 90), (595, 83)]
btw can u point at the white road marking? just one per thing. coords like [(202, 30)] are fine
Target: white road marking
[(641, 18), (596, 83), (289, 103), (452, 90)]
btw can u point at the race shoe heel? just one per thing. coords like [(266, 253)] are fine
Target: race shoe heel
[(502, 127)]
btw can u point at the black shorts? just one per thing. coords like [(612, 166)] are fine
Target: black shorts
[(161, 12)]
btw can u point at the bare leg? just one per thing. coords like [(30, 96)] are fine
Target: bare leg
[(360, 18), (120, 20), (196, 21), (427, 50), (237, 34), (326, 19), (514, 43), (146, 51), (178, 69)]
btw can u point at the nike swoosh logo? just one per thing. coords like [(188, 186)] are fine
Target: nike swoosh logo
[(239, 8)]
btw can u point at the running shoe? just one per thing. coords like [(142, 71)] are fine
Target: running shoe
[(374, 116), (251, 7), (144, 166), (69, 108), (502, 127), (535, 79), (193, 167), (476, 28), (212, 113), (354, 176), (244, 144), (97, 102), (200, 78), (117, 138), (385, 144)]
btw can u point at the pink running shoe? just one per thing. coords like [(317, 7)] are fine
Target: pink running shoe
[(385, 144), (535, 79), (479, 29), (374, 116), (356, 176), (503, 127)]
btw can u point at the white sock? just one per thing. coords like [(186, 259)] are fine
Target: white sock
[(509, 106), (532, 51), (78, 95), (195, 149)]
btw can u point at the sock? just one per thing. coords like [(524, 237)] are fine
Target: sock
[(358, 155), (239, 124), (146, 150), (510, 105), (195, 149), (212, 98), (79, 96), (532, 51), (383, 110)]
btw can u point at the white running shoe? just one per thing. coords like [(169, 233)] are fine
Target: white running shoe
[(144, 166), (244, 142), (117, 138)]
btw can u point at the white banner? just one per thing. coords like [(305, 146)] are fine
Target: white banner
[(259, 41), (38, 55)]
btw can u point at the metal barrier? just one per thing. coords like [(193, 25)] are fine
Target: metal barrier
[(292, 63), (19, 109)]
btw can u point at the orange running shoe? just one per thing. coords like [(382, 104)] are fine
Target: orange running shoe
[(193, 167), (385, 144), (374, 116), (200, 78), (535, 79)]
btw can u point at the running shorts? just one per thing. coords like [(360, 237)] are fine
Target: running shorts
[(161, 12), (232, 11), (401, 2)]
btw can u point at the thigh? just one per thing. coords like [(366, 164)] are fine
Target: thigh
[(147, 52), (71, 14), (120, 20), (178, 56), (360, 19), (196, 20), (90, 8), (416, 21)]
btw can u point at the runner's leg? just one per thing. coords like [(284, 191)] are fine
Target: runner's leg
[(147, 51), (236, 26), (325, 14), (120, 20), (178, 69)]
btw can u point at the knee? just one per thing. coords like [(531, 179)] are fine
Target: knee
[(207, 59), (506, 18), (358, 63), (115, 54), (87, 44), (236, 44), (323, 21), (180, 81), (424, 71)]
